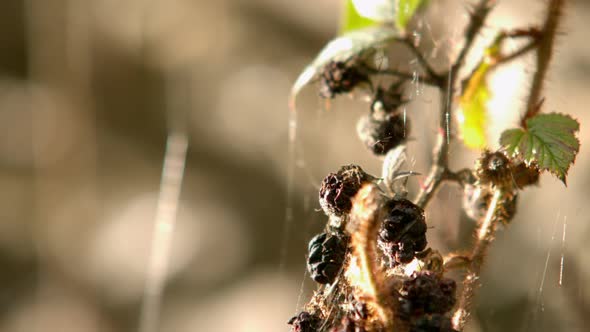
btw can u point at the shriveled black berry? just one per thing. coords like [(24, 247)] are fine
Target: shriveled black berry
[(339, 188), (432, 323), (383, 133), (427, 293), (340, 77), (403, 231), (494, 167), (326, 256), (305, 322)]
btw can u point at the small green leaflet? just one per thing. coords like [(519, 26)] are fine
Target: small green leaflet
[(353, 20), (548, 141), (406, 10), (341, 49)]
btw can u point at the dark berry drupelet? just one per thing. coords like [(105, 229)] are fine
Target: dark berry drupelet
[(403, 232), (383, 133), (340, 77), (326, 256), (494, 167), (305, 322), (426, 293), (339, 188), (433, 323)]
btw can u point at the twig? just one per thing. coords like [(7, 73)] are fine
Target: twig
[(544, 54), (401, 74), (518, 53), (485, 236), (477, 21), (433, 76), (439, 168)]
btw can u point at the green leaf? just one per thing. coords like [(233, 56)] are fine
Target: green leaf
[(548, 141), (353, 20), (406, 10), (472, 114), (343, 48)]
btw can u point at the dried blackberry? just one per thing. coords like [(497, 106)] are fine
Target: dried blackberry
[(426, 293), (339, 188), (326, 256), (340, 77), (403, 231), (433, 323), (495, 168), (305, 322), (382, 133)]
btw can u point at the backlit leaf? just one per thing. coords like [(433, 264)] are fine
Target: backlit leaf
[(548, 142), (472, 114)]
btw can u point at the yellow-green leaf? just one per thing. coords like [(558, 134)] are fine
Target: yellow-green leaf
[(352, 20), (406, 10), (548, 142), (472, 113)]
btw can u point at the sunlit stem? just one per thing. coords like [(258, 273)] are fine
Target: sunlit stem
[(165, 219), (485, 237)]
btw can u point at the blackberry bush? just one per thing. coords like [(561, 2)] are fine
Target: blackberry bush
[(376, 233)]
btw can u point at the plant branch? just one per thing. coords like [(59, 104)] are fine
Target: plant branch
[(544, 54), (485, 237), (439, 170), (401, 74), (518, 53), (478, 17), (410, 42)]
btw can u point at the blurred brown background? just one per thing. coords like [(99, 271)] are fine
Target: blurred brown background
[(89, 91)]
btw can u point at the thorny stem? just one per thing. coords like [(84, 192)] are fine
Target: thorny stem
[(485, 237), (439, 170), (544, 54), (366, 217)]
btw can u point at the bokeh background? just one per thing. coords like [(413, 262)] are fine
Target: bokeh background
[(90, 91)]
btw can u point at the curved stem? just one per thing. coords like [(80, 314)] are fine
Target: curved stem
[(485, 237)]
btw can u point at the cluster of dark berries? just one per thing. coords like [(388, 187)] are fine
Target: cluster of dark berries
[(403, 231), (385, 127), (339, 188), (424, 300), (340, 77), (305, 322), (326, 256)]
